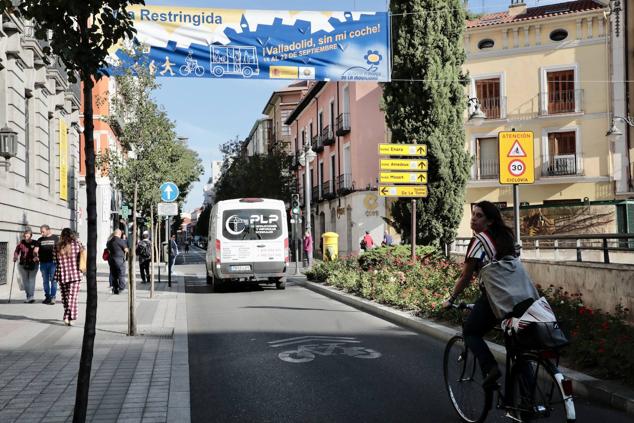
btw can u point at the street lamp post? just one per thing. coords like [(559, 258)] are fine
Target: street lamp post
[(305, 159)]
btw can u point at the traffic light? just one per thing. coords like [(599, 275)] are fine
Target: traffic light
[(295, 204)]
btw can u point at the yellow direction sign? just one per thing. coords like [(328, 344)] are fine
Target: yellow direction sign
[(403, 191), (517, 158), (403, 177), (402, 164), (419, 150)]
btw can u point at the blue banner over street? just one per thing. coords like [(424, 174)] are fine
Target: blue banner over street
[(184, 42)]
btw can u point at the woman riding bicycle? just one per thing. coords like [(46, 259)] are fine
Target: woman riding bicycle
[(492, 240)]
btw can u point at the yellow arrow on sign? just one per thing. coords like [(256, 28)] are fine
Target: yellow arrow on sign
[(419, 150), (403, 177), (403, 191), (401, 164)]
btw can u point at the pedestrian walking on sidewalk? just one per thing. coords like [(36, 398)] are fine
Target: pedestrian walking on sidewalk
[(67, 272), (308, 247), (175, 252), (24, 254), (44, 253), (144, 252), (118, 249)]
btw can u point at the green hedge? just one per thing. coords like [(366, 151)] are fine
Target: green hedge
[(601, 342)]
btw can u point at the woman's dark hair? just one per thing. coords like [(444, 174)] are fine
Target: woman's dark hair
[(502, 235), (66, 239)]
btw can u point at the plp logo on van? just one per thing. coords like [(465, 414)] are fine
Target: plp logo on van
[(235, 225)]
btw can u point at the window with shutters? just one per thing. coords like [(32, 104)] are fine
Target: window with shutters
[(487, 161), (561, 91), (562, 154), (488, 93)]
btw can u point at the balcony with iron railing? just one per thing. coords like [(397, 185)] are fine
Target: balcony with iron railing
[(494, 107), (317, 143), (344, 184), (327, 136), (560, 101), (327, 191), (563, 165), (487, 169), (343, 124)]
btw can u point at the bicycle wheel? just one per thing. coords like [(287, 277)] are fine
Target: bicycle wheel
[(463, 380), (536, 395)]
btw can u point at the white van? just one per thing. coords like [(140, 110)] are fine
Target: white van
[(248, 241)]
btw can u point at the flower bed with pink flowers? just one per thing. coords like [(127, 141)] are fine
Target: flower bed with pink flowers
[(601, 342)]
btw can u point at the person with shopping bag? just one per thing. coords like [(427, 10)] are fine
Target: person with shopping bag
[(26, 258), (492, 249), (68, 260)]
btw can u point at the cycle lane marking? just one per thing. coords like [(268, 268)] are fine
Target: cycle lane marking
[(310, 346)]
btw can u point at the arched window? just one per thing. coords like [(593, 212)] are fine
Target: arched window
[(559, 35), (486, 43)]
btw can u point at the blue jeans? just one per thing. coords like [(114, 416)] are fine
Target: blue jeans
[(48, 278)]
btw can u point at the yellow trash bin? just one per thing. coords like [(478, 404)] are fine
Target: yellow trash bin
[(330, 245)]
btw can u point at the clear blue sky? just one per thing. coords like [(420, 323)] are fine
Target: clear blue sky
[(211, 111)]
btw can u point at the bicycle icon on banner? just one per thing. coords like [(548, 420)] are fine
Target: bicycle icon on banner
[(191, 65), (337, 345)]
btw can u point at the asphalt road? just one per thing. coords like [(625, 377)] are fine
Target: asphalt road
[(257, 354)]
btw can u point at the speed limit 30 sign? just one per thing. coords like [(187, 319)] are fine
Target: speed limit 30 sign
[(516, 157)]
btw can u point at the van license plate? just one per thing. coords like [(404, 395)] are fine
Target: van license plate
[(240, 268)]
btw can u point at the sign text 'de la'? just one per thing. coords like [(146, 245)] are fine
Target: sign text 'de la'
[(403, 164), (417, 150), (403, 177), (516, 157), (403, 191)]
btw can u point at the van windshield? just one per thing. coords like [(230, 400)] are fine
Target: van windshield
[(252, 224)]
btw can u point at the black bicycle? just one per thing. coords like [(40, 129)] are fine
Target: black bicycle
[(534, 387)]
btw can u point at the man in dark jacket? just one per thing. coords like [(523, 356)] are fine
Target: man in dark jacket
[(118, 250), (144, 253)]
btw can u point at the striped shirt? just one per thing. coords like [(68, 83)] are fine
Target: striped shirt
[(482, 249)]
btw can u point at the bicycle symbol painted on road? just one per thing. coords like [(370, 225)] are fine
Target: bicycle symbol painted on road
[(329, 346)]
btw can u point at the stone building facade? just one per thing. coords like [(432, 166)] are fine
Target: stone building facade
[(39, 185)]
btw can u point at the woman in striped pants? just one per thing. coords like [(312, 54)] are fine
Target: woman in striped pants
[(67, 272)]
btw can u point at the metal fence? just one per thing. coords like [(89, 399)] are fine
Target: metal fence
[(581, 248)]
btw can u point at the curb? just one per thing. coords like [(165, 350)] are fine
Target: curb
[(178, 407), (606, 393)]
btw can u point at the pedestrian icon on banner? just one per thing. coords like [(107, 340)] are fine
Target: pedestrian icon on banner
[(517, 150)]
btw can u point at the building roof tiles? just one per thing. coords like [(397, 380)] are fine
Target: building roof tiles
[(533, 13)]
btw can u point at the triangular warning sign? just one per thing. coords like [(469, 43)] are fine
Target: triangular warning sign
[(517, 150)]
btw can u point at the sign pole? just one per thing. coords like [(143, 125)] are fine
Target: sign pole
[(516, 212), (413, 230), (296, 243), (169, 251)]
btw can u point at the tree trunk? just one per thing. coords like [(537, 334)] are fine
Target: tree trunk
[(88, 342), (131, 279)]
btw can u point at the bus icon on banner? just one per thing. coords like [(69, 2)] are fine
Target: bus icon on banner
[(233, 61)]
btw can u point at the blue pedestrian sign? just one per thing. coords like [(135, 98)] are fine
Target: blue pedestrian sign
[(169, 192)]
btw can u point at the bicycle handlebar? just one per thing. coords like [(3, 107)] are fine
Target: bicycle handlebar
[(463, 306)]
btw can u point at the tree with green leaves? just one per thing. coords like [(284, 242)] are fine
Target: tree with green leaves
[(82, 33), (425, 104), (266, 176)]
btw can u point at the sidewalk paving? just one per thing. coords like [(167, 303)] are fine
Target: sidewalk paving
[(134, 379)]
